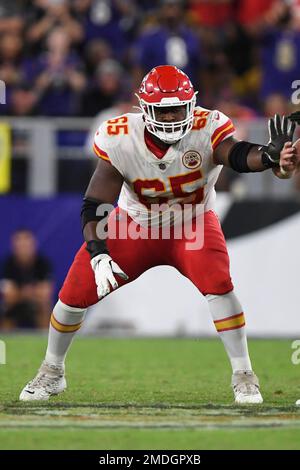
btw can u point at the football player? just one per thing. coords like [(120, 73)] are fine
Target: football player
[(170, 154)]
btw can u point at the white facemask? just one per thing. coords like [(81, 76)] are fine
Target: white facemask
[(169, 132)]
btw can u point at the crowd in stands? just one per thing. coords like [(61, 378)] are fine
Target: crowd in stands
[(78, 57)]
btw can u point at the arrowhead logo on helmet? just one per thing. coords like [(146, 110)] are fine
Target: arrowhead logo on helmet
[(167, 86)]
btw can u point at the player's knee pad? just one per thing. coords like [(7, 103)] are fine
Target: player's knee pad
[(65, 315), (224, 305)]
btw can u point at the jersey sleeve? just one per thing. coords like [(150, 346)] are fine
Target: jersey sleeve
[(108, 147), (99, 145), (221, 128)]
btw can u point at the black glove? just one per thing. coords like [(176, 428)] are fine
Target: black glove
[(295, 117), (280, 132)]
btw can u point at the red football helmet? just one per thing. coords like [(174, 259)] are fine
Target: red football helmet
[(167, 86)]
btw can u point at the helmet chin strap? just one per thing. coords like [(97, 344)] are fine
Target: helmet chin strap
[(165, 131), (161, 136), (167, 137)]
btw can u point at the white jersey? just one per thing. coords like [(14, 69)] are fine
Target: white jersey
[(186, 174)]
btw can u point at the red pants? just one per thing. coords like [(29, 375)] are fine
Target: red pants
[(207, 267)]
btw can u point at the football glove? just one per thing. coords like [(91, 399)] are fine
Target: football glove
[(280, 132), (105, 268), (295, 117)]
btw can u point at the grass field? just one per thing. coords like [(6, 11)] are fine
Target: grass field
[(150, 394)]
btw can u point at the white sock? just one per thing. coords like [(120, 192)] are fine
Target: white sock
[(64, 323), (229, 321)]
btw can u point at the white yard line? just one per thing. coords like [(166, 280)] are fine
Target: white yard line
[(85, 422)]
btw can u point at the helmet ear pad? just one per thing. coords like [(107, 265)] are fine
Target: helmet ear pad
[(167, 86)]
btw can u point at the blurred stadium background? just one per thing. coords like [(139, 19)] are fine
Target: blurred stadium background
[(67, 65)]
